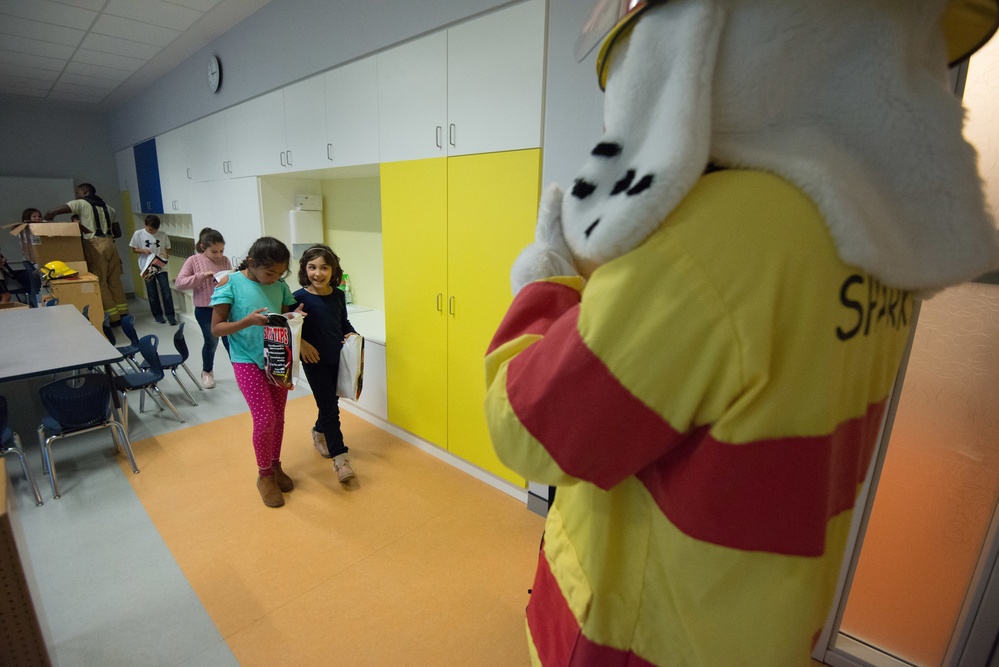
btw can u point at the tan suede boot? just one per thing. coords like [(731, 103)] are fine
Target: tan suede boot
[(269, 491), (284, 482), (319, 442)]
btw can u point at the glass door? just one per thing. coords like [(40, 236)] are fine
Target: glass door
[(922, 584)]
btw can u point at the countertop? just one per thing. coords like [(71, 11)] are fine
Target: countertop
[(368, 322)]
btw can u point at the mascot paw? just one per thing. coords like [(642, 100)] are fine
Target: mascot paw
[(549, 255)]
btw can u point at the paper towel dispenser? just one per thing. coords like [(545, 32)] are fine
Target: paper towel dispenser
[(308, 202), (306, 230)]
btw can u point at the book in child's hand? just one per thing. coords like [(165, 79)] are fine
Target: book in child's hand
[(154, 264)]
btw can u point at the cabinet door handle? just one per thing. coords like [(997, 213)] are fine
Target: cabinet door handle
[(174, 204), (329, 152), (283, 164), (450, 306), (223, 168), (188, 173), (439, 144), (289, 158), (450, 134), (440, 304)]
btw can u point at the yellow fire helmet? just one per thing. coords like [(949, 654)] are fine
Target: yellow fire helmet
[(57, 269), (967, 26)]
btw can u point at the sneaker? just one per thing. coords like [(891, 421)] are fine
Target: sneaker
[(159, 320), (208, 379), (319, 442), (269, 491), (344, 471), (284, 482), (173, 322)]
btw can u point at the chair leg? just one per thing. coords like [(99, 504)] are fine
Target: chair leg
[(41, 447), (17, 449), (168, 403), (53, 480), (125, 444), (146, 391), (173, 372), (123, 410), (196, 381)]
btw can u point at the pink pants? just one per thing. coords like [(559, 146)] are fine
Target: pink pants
[(266, 403)]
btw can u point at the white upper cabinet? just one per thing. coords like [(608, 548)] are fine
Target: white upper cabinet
[(175, 169), (495, 68), (256, 137), (208, 148), (474, 88), (125, 160), (352, 114), (305, 125), (232, 206), (412, 99)]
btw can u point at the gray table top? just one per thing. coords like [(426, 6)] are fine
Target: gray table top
[(53, 339)]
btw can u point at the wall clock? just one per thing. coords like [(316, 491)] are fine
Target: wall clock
[(214, 74)]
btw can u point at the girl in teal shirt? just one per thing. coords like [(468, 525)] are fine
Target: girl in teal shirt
[(239, 307)]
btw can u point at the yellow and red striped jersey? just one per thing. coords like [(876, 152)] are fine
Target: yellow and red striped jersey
[(708, 405)]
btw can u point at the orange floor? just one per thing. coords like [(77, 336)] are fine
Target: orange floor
[(414, 563)]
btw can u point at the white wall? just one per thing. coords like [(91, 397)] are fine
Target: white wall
[(573, 99), (43, 139), (352, 220)]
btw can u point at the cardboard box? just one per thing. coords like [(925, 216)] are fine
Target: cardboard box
[(43, 242), (80, 291)]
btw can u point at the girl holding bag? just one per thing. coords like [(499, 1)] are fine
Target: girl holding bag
[(323, 333)]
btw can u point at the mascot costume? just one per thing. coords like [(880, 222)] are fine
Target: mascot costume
[(708, 326)]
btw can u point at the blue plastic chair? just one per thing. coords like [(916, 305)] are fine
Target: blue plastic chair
[(33, 285), (128, 351), (52, 302), (73, 406), (23, 287), (144, 380), (171, 362), (10, 443)]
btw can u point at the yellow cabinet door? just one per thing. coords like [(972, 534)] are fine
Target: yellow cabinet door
[(414, 246), (492, 209)]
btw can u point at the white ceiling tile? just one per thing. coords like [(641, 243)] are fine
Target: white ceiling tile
[(155, 12), (81, 80), (49, 12), (95, 5), (116, 45), (97, 71), (200, 5), (112, 44), (108, 60), (34, 47), (20, 71), (42, 32), (30, 60), (22, 90), (77, 94), (34, 84), (116, 26), (78, 89)]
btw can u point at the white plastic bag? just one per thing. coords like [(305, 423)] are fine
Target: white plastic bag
[(350, 377)]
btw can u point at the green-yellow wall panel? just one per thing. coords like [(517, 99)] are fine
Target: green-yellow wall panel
[(414, 246), (492, 210)]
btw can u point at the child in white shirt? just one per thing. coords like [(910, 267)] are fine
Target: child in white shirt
[(149, 242)]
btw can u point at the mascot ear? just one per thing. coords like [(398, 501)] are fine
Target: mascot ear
[(657, 115)]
